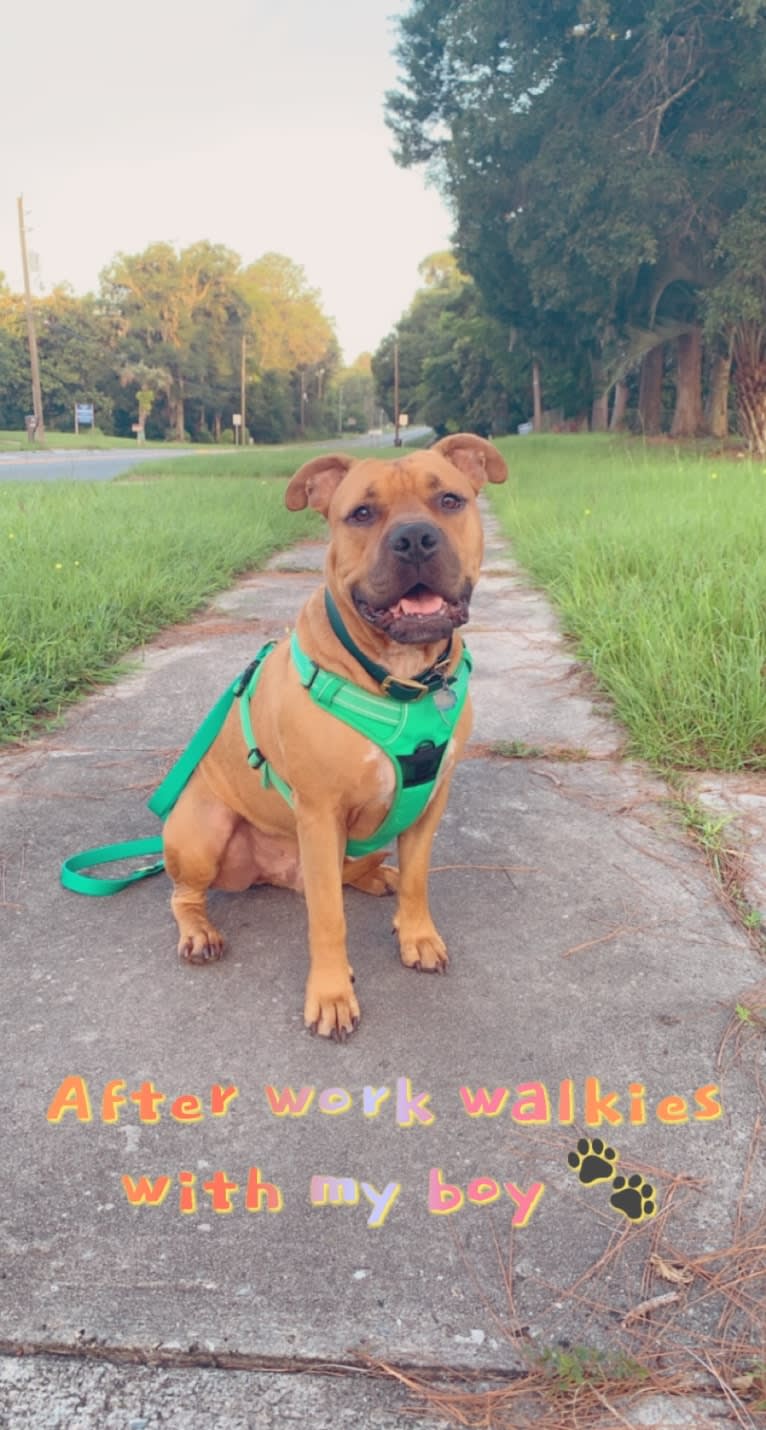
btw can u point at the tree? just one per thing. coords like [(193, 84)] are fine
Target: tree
[(459, 367), (15, 379), (75, 344), (290, 330), (592, 148), (351, 399), (149, 381), (736, 311), (165, 300)]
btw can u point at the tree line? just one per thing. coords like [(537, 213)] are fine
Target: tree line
[(168, 341), (605, 161)]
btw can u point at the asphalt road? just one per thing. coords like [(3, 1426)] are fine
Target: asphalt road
[(80, 466), (84, 466)]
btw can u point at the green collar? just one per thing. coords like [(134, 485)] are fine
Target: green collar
[(434, 678)]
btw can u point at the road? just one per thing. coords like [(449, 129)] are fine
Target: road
[(72, 465)]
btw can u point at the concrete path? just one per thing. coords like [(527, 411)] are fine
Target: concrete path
[(591, 958)]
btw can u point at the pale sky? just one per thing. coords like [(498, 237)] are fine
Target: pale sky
[(257, 125)]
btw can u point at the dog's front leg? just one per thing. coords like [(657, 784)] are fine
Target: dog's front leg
[(420, 945), (331, 1008)]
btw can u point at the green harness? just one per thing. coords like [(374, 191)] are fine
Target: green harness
[(413, 727)]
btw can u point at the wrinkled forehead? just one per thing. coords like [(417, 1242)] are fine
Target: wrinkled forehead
[(416, 477)]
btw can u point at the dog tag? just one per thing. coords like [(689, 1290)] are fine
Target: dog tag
[(445, 698)]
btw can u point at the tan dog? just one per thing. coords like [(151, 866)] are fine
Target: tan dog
[(405, 550)]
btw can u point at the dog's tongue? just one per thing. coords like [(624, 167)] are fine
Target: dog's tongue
[(421, 603)]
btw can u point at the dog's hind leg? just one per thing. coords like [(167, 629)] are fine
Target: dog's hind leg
[(196, 834), (370, 874)]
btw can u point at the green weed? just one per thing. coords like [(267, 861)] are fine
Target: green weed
[(577, 1366)]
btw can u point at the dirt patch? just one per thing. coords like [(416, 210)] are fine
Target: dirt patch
[(208, 627)]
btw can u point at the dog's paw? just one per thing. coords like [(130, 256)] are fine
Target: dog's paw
[(331, 1008), (421, 947), (203, 944)]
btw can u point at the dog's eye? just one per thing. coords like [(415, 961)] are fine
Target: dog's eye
[(361, 515), (450, 501)]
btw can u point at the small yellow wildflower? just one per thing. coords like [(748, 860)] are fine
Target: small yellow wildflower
[(58, 566), (587, 511), (713, 476), (11, 535)]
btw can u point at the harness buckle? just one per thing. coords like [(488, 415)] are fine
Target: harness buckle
[(404, 689), (249, 671), (422, 765), (255, 758)]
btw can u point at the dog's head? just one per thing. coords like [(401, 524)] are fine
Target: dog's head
[(406, 538)]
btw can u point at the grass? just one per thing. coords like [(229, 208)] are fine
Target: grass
[(15, 441), (656, 562), (89, 570), (253, 461)]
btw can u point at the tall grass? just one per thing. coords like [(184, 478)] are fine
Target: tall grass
[(656, 561), (90, 569)]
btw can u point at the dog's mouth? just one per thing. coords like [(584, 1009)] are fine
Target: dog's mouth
[(419, 615)]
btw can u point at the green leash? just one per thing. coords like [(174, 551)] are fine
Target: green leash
[(162, 801)]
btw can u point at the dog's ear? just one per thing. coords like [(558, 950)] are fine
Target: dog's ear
[(315, 483), (476, 459)]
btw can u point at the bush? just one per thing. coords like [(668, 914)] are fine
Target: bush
[(228, 435)]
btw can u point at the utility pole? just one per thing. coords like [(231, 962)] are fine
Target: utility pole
[(37, 397), (397, 438), (243, 428)]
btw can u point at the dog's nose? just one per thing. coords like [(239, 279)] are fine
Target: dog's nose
[(415, 541)]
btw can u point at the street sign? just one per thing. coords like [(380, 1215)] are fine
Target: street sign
[(236, 419), (83, 412)]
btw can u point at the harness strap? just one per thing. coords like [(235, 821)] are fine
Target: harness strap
[(381, 719)]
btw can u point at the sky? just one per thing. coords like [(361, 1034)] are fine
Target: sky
[(253, 123)]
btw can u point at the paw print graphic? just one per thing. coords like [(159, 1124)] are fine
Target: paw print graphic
[(634, 1198), (593, 1161)]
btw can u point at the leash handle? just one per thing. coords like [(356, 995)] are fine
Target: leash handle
[(79, 883)]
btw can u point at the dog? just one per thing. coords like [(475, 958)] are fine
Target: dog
[(405, 549)]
